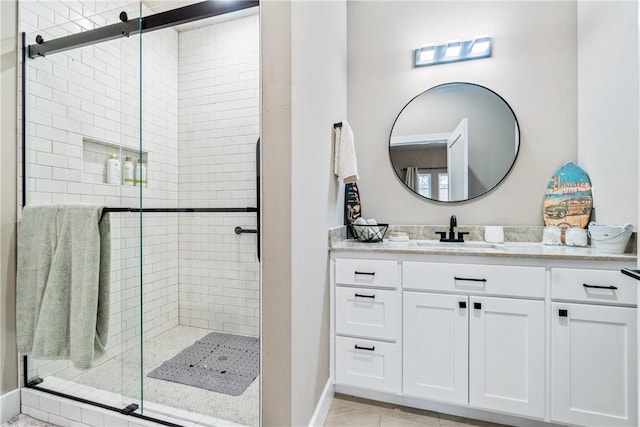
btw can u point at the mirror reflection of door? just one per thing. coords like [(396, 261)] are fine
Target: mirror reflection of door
[(424, 160), (458, 161)]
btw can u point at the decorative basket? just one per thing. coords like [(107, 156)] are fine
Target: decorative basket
[(369, 233)]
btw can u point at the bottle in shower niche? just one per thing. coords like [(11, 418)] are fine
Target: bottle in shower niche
[(114, 175), (141, 173), (128, 171)]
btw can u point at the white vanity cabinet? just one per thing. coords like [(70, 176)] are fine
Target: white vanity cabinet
[(500, 338), (593, 348), (469, 348)]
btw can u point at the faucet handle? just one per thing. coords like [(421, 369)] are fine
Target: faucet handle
[(461, 235), (443, 235)]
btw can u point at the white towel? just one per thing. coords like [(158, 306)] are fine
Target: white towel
[(345, 164)]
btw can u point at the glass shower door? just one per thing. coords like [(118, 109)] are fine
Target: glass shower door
[(81, 106), (184, 270), (130, 304)]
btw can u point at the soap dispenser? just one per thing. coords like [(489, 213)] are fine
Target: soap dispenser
[(141, 173), (128, 171), (113, 170)]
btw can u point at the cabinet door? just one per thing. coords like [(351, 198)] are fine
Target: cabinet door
[(593, 365), (506, 355), (435, 334)]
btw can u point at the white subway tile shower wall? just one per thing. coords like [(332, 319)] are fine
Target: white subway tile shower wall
[(219, 126), (93, 92)]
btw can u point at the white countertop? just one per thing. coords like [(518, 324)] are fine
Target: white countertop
[(475, 248)]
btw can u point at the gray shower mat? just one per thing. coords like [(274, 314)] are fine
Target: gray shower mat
[(219, 362)]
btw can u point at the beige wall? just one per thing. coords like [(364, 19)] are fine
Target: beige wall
[(275, 40), (8, 132), (303, 94), (608, 106), (533, 68)]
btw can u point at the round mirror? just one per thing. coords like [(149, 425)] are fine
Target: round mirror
[(454, 142)]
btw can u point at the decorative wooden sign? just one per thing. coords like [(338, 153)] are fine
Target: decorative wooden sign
[(568, 199)]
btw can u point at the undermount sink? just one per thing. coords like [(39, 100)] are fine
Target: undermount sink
[(472, 245)]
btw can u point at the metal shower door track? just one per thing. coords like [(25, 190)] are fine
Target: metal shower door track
[(182, 15)]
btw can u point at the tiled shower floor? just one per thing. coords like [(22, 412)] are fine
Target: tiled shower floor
[(120, 376)]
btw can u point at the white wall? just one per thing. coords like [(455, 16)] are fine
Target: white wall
[(533, 68), (304, 92), (319, 98), (608, 106), (219, 121)]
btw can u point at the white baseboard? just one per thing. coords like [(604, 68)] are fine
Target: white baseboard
[(9, 405), (322, 409)]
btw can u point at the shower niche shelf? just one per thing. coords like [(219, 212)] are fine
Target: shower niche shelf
[(95, 154)]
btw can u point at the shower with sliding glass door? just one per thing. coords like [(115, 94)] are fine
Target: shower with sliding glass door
[(150, 111)]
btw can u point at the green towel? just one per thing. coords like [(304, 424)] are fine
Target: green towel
[(62, 295)]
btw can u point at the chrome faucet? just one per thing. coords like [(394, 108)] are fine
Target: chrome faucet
[(453, 223)]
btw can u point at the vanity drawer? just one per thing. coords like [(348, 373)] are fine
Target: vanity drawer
[(368, 364), (594, 286), (367, 272), (372, 313), (477, 279)]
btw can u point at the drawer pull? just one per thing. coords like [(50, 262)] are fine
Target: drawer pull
[(600, 287), (365, 273), (365, 296), (469, 279), (477, 305), (462, 304), (358, 347), (563, 313)]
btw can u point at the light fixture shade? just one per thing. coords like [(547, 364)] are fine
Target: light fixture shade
[(427, 53), (481, 46), (453, 51)]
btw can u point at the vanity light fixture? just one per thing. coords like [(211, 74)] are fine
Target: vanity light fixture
[(453, 51)]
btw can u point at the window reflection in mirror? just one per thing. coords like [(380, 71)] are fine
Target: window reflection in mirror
[(462, 136)]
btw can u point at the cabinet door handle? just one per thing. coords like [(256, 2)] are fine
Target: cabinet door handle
[(600, 287), (358, 347), (477, 305), (366, 273), (365, 296), (462, 304), (469, 279), (563, 313)]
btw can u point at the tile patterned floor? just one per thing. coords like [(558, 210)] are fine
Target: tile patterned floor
[(23, 420), (348, 411)]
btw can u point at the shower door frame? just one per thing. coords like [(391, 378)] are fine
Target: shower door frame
[(138, 25)]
